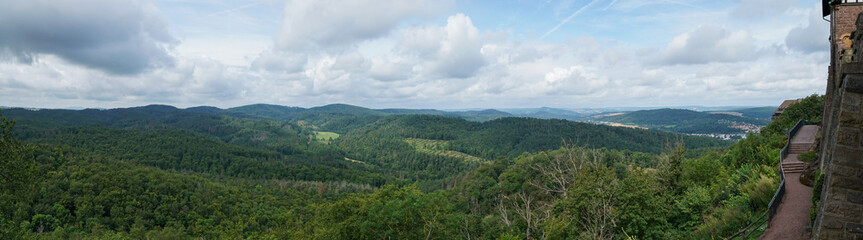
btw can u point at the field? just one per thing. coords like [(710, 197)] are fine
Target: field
[(325, 137), (438, 147)]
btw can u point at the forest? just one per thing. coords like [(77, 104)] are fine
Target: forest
[(158, 172)]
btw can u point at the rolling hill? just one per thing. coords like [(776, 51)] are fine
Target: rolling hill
[(762, 113), (684, 121)]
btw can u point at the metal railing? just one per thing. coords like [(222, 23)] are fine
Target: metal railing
[(773, 206)]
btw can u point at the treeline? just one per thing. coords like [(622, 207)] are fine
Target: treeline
[(184, 151), (283, 137), (77, 195)]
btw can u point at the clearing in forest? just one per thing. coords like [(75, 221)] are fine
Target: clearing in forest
[(325, 137), (439, 147)]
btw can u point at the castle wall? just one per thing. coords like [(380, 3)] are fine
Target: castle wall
[(841, 208), (840, 213)]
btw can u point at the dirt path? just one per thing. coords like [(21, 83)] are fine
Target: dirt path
[(792, 217), (806, 134)]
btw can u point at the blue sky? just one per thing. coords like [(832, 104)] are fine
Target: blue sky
[(410, 53)]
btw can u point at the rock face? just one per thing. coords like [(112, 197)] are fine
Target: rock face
[(807, 177), (809, 173)]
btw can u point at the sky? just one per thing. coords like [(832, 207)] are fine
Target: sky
[(443, 54)]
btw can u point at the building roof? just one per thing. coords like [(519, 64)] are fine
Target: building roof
[(787, 103)]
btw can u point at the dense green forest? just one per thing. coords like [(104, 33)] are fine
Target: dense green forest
[(372, 148), (158, 172), (685, 121)]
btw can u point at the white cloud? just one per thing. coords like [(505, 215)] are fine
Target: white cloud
[(334, 23), (710, 43), (574, 80), (230, 50), (812, 37), (451, 51), (338, 74), (395, 54), (384, 69)]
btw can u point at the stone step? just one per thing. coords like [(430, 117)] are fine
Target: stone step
[(801, 145), (798, 150), (794, 164), (794, 167), (789, 168)]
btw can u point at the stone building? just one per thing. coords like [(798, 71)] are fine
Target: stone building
[(785, 104)]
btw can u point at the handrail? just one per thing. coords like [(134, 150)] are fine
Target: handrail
[(794, 130), (748, 227), (773, 206)]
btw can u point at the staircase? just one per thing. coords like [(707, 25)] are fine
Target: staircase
[(793, 167), (791, 164), (791, 216), (800, 147)]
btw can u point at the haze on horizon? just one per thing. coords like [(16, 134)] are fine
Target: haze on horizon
[(442, 54)]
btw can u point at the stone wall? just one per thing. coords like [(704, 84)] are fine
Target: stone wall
[(840, 213), (841, 209)]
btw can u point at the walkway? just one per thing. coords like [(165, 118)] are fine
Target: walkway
[(792, 218)]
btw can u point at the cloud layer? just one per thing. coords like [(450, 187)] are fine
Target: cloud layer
[(119, 37), (415, 53)]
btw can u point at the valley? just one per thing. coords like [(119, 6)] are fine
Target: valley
[(325, 172)]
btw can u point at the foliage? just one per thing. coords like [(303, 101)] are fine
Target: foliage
[(390, 213), (15, 169), (809, 156), (808, 109), (162, 173), (817, 187), (79, 194)]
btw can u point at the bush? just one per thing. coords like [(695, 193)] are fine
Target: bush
[(816, 195), (809, 156)]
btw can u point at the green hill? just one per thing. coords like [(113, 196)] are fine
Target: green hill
[(684, 121), (157, 172), (386, 144), (265, 111), (762, 113)]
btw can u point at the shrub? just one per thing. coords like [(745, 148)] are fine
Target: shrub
[(809, 156)]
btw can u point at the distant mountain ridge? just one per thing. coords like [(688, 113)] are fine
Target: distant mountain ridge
[(285, 113), (685, 121), (384, 143), (762, 113), (321, 115)]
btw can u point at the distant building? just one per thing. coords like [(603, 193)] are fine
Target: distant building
[(782, 107)]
